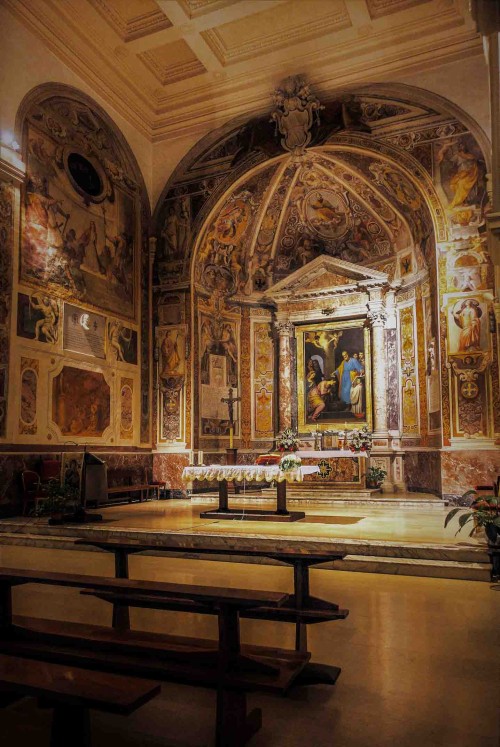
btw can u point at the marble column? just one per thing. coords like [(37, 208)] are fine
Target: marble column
[(285, 330), (377, 316)]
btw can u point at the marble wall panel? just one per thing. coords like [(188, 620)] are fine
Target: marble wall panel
[(393, 401), (168, 467), (463, 470), (422, 471)]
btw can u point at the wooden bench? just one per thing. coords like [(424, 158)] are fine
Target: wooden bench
[(222, 665), (72, 691), (301, 608)]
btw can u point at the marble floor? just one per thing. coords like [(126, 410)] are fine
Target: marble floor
[(420, 656), (411, 524)]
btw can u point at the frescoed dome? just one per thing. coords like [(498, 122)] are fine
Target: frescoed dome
[(340, 201)]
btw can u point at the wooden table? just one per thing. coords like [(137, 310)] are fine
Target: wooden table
[(250, 473)]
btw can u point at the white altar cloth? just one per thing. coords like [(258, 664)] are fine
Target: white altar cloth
[(248, 472), (331, 453)]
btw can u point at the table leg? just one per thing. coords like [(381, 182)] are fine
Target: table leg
[(281, 498), (223, 503), (121, 613), (5, 605), (301, 592)]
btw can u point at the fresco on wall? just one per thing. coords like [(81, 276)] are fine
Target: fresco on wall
[(408, 371), (29, 381), (122, 342), (171, 347), (126, 408), (78, 226), (468, 325), (81, 402), (263, 379), (462, 172), (38, 317), (219, 371), (6, 253)]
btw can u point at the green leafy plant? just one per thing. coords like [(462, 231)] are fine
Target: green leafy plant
[(484, 512), (376, 476), (58, 499)]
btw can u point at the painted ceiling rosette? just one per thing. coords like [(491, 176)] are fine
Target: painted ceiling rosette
[(357, 207)]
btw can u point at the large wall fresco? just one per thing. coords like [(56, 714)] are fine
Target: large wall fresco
[(79, 222), (79, 328)]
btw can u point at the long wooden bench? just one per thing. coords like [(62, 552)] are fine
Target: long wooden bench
[(223, 665), (301, 608), (71, 692)]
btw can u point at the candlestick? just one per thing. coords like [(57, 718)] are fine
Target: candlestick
[(230, 436), (200, 458)]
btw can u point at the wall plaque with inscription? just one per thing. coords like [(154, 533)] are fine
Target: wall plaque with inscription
[(84, 331)]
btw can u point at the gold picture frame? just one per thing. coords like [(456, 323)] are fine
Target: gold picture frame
[(334, 376)]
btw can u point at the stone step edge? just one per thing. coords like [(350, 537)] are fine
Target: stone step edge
[(457, 570)]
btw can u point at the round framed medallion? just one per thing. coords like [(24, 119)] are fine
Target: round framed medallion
[(86, 175)]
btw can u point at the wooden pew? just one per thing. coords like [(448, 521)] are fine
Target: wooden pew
[(71, 692), (301, 608), (222, 665)]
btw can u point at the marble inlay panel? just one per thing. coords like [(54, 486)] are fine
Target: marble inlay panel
[(463, 470), (422, 471), (392, 380)]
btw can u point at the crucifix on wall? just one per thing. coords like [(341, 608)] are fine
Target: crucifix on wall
[(230, 402)]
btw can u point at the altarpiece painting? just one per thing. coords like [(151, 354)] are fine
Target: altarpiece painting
[(334, 376)]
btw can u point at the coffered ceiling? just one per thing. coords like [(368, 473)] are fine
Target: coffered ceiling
[(170, 66)]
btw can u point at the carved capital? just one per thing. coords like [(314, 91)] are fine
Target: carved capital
[(377, 316), (285, 328)]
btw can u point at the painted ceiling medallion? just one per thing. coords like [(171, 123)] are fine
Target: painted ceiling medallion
[(294, 114), (327, 213)]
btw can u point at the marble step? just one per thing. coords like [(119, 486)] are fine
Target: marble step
[(414, 567)]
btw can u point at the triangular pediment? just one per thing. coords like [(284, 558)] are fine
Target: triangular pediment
[(325, 275)]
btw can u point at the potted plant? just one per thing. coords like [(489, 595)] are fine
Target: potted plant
[(288, 440), (58, 501), (375, 477), (483, 513)]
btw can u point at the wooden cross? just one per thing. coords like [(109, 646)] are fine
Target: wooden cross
[(229, 401)]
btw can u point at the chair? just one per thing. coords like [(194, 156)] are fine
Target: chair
[(32, 491)]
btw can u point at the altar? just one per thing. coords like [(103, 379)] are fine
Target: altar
[(337, 469), (250, 473)]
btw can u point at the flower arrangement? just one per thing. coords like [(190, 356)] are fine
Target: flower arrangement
[(289, 462), (288, 440), (359, 440), (484, 512)]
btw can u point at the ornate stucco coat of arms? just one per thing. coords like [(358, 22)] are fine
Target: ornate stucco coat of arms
[(294, 114)]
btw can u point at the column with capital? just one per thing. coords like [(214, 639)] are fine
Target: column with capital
[(377, 316), (285, 330)]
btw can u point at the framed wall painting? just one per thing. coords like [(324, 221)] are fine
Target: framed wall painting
[(334, 376)]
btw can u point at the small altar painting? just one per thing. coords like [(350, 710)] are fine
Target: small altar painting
[(71, 469), (333, 375), (84, 331), (81, 403)]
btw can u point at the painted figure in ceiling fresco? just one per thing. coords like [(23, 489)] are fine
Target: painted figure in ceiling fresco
[(468, 318)]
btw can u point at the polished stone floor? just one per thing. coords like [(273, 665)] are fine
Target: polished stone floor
[(384, 522), (420, 656)]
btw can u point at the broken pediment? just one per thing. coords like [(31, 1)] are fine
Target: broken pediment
[(325, 276)]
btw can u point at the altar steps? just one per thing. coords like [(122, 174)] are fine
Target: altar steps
[(303, 496)]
